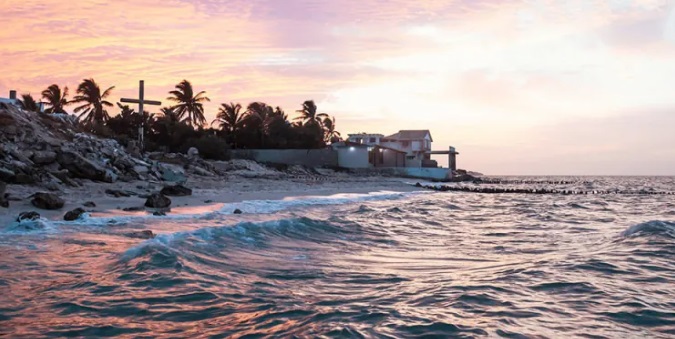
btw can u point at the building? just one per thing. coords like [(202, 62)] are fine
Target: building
[(415, 143)]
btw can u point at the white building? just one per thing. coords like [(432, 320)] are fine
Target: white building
[(12, 100), (415, 143)]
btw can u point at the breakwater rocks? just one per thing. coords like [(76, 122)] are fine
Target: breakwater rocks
[(500, 190)]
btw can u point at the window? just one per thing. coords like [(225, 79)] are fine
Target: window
[(405, 143), (372, 139), (357, 140)]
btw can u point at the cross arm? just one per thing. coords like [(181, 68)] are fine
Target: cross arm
[(136, 101)]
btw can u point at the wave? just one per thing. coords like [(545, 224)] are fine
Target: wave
[(654, 227), (30, 227), (251, 207), (256, 235)]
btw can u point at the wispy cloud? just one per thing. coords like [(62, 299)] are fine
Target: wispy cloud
[(478, 73)]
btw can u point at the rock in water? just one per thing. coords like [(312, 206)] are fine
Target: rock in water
[(176, 191), (73, 215), (145, 234), (157, 200), (237, 211), (89, 204), (28, 216), (47, 201)]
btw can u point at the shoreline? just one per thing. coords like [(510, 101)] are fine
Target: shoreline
[(208, 194)]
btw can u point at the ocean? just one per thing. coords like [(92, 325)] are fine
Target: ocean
[(382, 265)]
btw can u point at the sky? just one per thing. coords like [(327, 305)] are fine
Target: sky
[(574, 87)]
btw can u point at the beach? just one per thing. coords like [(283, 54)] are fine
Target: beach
[(208, 193)]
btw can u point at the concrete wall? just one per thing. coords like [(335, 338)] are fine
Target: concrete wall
[(306, 157), (425, 173), (353, 157)]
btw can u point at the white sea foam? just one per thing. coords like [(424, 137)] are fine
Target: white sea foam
[(651, 227), (250, 207)]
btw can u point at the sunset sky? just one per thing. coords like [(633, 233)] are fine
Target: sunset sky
[(518, 87)]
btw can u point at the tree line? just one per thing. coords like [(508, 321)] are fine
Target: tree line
[(183, 124)]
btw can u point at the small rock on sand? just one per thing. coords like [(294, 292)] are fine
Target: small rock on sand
[(157, 200), (47, 201), (176, 191), (74, 214)]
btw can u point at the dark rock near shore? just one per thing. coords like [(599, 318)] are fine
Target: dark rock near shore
[(89, 204), (74, 214), (117, 193), (159, 213), (47, 201), (133, 209), (176, 191), (237, 211), (158, 200), (3, 199), (28, 216)]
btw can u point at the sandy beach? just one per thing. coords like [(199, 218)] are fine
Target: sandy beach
[(207, 193)]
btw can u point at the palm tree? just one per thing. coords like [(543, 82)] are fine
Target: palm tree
[(230, 118), (56, 99), (329, 132), (189, 104), (308, 113), (93, 102), (27, 103)]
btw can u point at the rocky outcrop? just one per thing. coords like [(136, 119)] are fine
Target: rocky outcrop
[(47, 201), (74, 214), (176, 191), (157, 200), (80, 167)]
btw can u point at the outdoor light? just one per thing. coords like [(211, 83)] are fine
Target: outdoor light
[(351, 148)]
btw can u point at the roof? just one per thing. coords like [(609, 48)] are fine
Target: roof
[(410, 134)]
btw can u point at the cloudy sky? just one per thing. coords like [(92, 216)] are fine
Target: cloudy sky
[(518, 87)]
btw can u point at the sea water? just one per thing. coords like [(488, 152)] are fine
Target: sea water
[(422, 264)]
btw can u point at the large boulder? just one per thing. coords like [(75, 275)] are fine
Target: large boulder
[(3, 199), (74, 214), (81, 167), (47, 201), (157, 200), (176, 191)]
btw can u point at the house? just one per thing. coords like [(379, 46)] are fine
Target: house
[(415, 143), (361, 155)]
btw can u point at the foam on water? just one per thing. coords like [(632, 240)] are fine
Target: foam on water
[(650, 228)]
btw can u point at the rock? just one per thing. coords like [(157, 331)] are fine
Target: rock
[(176, 191), (7, 175), (44, 157), (173, 174), (89, 204), (74, 214), (418, 185), (118, 193), (159, 213), (208, 201), (84, 168), (140, 169), (193, 153), (133, 209), (201, 171), (28, 216), (47, 201), (237, 211), (145, 234), (157, 200)]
